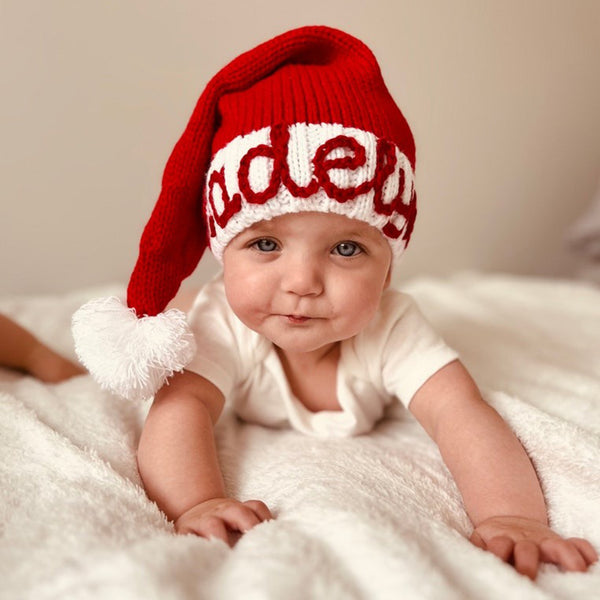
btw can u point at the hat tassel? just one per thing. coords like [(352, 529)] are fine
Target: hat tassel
[(130, 356)]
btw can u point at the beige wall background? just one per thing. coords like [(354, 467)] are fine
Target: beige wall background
[(503, 97)]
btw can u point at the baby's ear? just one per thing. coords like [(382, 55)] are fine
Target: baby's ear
[(388, 279)]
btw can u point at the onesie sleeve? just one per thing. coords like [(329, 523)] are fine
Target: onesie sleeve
[(413, 351), (212, 322)]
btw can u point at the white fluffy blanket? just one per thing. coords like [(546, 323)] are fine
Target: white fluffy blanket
[(371, 517)]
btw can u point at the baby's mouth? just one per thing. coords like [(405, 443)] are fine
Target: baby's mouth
[(297, 319)]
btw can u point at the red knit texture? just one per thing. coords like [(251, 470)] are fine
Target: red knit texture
[(309, 75)]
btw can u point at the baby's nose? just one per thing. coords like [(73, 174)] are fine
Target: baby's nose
[(303, 276)]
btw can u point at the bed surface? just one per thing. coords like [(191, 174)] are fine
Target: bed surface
[(376, 516)]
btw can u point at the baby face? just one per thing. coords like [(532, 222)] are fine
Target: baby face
[(306, 281)]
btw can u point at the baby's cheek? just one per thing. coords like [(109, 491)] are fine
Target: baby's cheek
[(356, 319), (242, 309), (365, 300)]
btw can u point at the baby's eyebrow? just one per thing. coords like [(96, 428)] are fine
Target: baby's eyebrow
[(263, 232), (254, 231), (353, 234), (267, 224)]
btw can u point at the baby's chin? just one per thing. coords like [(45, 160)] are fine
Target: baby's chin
[(303, 346), (311, 336)]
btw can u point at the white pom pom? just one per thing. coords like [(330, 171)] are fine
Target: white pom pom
[(127, 355)]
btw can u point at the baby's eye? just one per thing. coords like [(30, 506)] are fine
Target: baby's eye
[(347, 249), (265, 245)]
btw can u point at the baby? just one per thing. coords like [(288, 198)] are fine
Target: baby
[(297, 169), (21, 350)]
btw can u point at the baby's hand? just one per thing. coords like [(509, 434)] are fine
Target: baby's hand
[(525, 543), (50, 367), (216, 517)]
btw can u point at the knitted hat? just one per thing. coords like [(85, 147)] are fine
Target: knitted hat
[(303, 122)]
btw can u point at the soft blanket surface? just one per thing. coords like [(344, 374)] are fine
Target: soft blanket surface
[(376, 516)]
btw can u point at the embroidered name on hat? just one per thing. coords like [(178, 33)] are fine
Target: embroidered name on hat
[(309, 167)]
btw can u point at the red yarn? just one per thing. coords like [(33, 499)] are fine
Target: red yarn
[(280, 174), (231, 205)]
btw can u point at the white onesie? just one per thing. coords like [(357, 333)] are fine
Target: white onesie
[(390, 359)]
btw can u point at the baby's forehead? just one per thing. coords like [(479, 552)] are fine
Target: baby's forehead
[(319, 221)]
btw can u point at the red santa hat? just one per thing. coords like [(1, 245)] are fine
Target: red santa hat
[(302, 122)]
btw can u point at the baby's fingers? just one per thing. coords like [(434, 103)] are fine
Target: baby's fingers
[(207, 527), (587, 550), (502, 547), (260, 509), (571, 555), (241, 517), (526, 558)]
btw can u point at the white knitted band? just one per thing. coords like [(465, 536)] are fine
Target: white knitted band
[(308, 168)]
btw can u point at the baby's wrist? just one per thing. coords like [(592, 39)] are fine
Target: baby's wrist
[(198, 504), (512, 519)]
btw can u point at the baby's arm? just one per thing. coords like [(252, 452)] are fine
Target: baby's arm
[(497, 481), (20, 349), (178, 462)]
